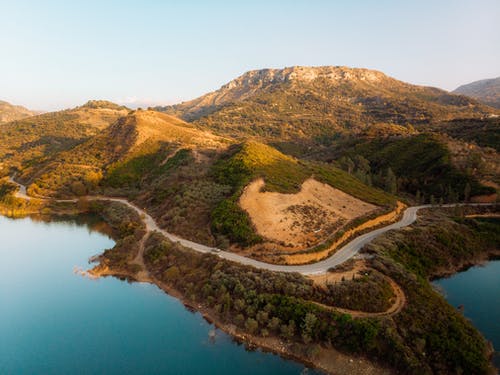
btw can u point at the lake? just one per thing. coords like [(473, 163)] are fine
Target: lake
[(478, 291), (54, 321)]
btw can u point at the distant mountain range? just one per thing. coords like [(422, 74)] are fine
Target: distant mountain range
[(317, 102), (486, 91), (9, 112)]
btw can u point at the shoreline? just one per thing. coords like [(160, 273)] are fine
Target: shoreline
[(329, 360), (466, 265)]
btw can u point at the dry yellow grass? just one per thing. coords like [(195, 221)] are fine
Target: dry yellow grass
[(99, 118), (162, 127), (303, 219), (317, 256)]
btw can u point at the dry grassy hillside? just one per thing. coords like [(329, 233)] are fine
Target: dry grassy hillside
[(119, 155), (9, 112), (29, 142), (301, 220)]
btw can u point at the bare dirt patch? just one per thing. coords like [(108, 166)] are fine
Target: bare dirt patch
[(303, 219), (347, 271)]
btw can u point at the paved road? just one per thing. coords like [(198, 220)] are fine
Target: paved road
[(343, 254)]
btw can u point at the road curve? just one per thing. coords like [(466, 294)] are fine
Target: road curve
[(343, 254)]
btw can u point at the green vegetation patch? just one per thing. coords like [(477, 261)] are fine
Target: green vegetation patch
[(148, 161), (448, 244), (483, 131), (422, 167)]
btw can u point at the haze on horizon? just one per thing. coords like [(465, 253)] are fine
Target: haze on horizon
[(59, 54)]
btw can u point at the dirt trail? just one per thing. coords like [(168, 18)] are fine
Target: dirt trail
[(143, 274), (396, 307)]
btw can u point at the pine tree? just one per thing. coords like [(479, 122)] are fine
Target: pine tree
[(467, 191), (391, 183), (432, 200)]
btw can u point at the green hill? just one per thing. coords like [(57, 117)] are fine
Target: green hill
[(484, 132), (421, 165), (248, 161)]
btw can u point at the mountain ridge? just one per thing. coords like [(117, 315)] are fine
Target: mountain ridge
[(10, 112), (486, 91), (311, 102)]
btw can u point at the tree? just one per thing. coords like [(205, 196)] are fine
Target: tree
[(418, 196), (274, 324), (78, 188), (251, 325), (262, 318), (308, 326), (467, 191), (347, 164), (362, 164), (239, 319), (391, 182), (288, 330), (239, 305)]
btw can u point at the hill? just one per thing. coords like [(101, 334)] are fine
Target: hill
[(9, 112), (486, 91), (122, 154), (285, 176), (314, 103), (484, 132), (28, 142), (422, 166)]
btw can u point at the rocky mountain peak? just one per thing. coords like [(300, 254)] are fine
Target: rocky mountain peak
[(264, 77)]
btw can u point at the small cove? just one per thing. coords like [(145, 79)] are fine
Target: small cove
[(477, 290), (53, 321)]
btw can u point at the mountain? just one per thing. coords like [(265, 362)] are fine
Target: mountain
[(9, 112), (314, 103), (27, 142), (486, 91)]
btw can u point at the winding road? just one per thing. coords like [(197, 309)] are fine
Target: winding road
[(343, 254)]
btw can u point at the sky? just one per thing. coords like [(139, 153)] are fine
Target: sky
[(59, 54)]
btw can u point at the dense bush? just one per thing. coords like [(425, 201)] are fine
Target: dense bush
[(422, 166)]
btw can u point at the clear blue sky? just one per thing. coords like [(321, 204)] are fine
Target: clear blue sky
[(58, 54)]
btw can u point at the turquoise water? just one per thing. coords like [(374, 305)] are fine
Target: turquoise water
[(478, 291), (53, 321)]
